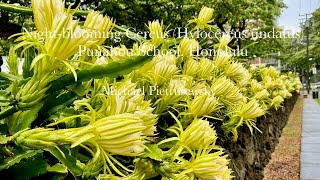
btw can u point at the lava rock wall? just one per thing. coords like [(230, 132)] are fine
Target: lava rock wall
[(251, 153)]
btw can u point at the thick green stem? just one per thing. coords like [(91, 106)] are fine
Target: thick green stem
[(112, 70), (8, 112)]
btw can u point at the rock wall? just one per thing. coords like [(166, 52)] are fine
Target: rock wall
[(250, 154)]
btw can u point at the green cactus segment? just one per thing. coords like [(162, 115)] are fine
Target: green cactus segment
[(112, 70)]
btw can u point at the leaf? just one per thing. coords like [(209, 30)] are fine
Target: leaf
[(27, 169), (53, 103), (5, 100), (8, 112), (67, 160), (17, 157), (112, 70), (58, 168), (23, 120), (63, 113), (153, 152)]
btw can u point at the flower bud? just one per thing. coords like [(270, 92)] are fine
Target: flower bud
[(161, 73), (235, 71), (98, 26), (203, 105), (222, 59), (199, 132), (276, 102), (190, 67), (40, 138), (227, 91), (156, 32), (187, 47), (121, 134), (264, 94), (248, 111), (224, 42), (211, 166), (204, 17), (206, 68)]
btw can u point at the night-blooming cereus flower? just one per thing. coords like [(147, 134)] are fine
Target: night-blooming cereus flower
[(255, 86), (204, 17), (235, 71), (178, 89), (208, 166), (227, 91), (156, 32), (98, 26), (224, 42), (264, 94), (276, 102), (47, 13), (199, 132), (162, 72), (39, 138), (222, 59), (145, 113), (190, 67), (250, 110), (203, 105), (187, 47), (206, 68), (120, 134)]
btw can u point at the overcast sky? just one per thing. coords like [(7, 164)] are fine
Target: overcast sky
[(290, 16)]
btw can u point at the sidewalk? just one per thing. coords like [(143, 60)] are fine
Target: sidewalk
[(310, 142)]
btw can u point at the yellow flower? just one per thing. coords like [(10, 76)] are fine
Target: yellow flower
[(276, 102), (222, 59), (224, 42), (203, 105), (206, 68), (120, 134), (216, 166), (161, 73), (204, 17), (226, 91), (236, 71), (156, 33), (187, 47), (251, 110), (207, 165), (190, 67), (264, 94), (199, 132), (98, 26), (47, 13)]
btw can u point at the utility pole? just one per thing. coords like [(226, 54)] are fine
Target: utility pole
[(307, 25)]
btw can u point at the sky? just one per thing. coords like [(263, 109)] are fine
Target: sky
[(289, 19)]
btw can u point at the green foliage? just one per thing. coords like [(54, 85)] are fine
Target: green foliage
[(17, 157), (63, 155), (60, 115)]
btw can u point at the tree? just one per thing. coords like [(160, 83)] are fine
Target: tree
[(229, 15)]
